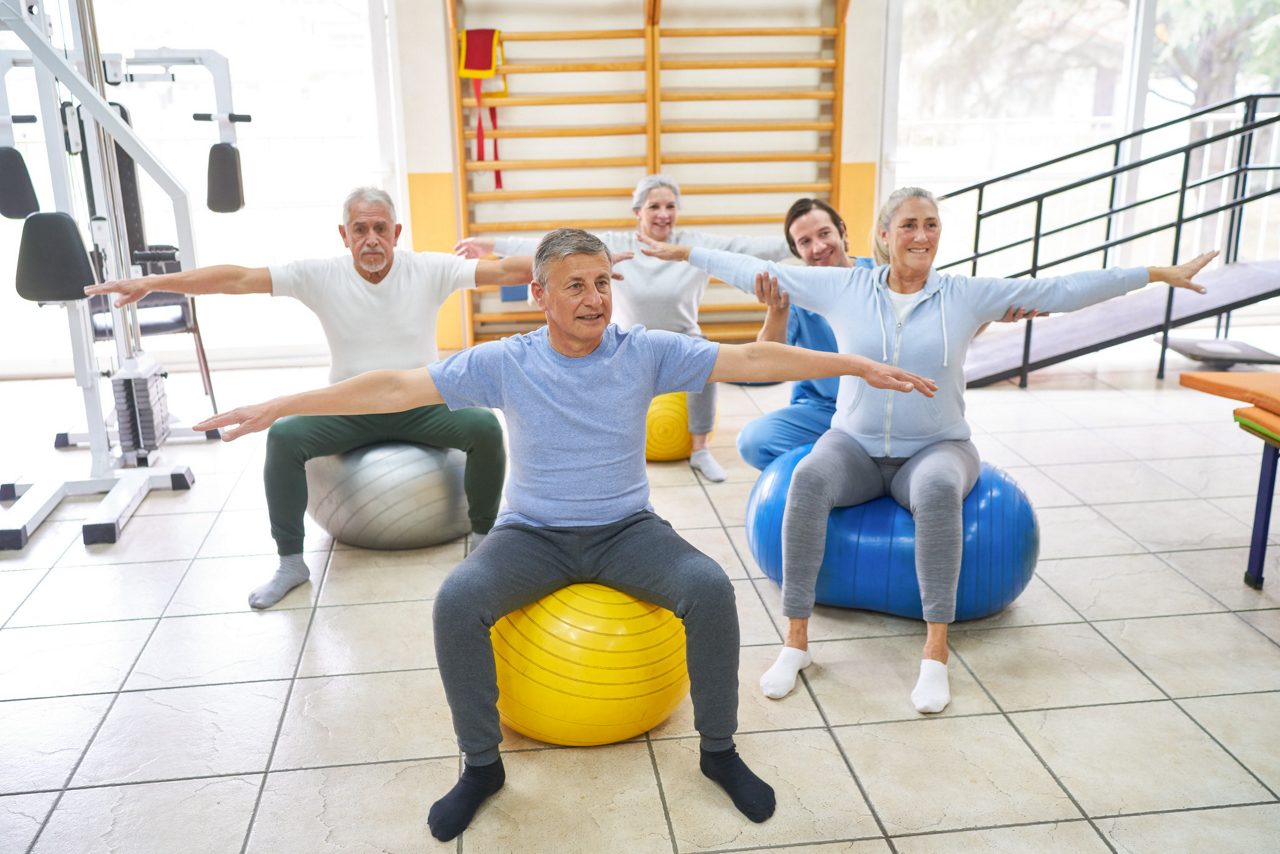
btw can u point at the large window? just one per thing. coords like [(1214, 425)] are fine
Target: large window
[(304, 70)]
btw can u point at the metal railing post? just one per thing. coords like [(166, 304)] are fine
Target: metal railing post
[(977, 229), (1177, 245), (1035, 268)]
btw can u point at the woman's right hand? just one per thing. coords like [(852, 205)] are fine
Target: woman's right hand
[(880, 375), (474, 247)]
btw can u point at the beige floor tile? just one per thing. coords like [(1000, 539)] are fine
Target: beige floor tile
[(1243, 508), (357, 576), (1234, 721), (1119, 586), (354, 809), (581, 799), (1236, 830), (248, 532), (837, 623), (1060, 447), (1080, 532), (870, 680), (1215, 477), (191, 816), (1028, 413), (738, 536), (861, 846), (674, 473), (74, 659), (730, 500), (146, 539), (219, 585), (754, 623), (1220, 572), (1166, 440), (82, 594), (43, 739), (756, 712), (684, 506), (14, 587), (1036, 605), (1173, 525), (715, 543), (1267, 622), (47, 544), (736, 469), (910, 771), (221, 648), (1194, 656), (21, 817), (818, 799), (376, 717), (208, 494), (1116, 482), (1041, 489), (1047, 666), (724, 438), (1135, 758), (995, 452), (369, 638), (185, 732), (1065, 837)]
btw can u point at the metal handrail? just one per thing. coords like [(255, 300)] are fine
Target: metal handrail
[(1237, 174)]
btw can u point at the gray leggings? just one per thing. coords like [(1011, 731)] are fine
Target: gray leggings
[(840, 473), (702, 409), (640, 555)]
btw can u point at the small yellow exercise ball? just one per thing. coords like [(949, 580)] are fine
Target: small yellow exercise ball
[(666, 433), (589, 665)]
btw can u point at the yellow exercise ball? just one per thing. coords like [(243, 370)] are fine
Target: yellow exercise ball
[(666, 433), (589, 665)]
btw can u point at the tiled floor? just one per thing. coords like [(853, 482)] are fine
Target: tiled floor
[(1128, 701)]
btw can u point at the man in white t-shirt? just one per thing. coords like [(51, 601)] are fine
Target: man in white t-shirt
[(378, 310)]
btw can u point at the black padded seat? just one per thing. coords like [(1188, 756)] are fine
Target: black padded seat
[(53, 265)]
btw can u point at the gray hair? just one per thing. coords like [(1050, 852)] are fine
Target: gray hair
[(367, 195), (648, 184), (562, 243), (890, 207)]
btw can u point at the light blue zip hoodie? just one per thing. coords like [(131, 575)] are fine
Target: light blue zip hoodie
[(931, 341)]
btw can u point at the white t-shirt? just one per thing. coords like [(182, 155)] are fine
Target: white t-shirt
[(902, 303), (388, 325)]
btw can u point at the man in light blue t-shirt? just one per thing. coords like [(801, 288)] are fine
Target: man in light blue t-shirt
[(575, 393)]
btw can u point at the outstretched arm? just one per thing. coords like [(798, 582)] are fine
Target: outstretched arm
[(370, 393), (515, 270), (769, 362), (219, 279), (777, 309)]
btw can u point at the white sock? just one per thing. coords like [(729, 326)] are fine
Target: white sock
[(933, 691), (292, 572), (705, 463), (780, 679)]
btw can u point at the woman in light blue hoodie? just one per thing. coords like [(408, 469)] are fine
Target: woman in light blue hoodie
[(917, 449)]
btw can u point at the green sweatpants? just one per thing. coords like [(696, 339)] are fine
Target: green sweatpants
[(294, 440)]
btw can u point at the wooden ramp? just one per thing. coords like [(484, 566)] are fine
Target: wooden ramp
[(995, 357)]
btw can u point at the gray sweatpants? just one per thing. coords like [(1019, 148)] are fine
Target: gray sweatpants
[(838, 472), (640, 555), (702, 409)]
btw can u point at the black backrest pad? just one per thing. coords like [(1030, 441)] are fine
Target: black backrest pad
[(17, 196), (226, 191), (52, 262)]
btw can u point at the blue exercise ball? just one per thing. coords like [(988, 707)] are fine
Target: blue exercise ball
[(870, 554)]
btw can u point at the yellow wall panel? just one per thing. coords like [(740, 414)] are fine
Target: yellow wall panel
[(433, 212), (857, 204)]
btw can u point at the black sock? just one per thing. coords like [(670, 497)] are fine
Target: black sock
[(752, 796), (450, 815)]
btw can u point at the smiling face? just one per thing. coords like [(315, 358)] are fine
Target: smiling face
[(371, 235), (818, 241), (657, 216), (912, 237), (578, 301)]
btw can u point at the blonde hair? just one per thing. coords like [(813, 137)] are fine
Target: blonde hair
[(879, 247)]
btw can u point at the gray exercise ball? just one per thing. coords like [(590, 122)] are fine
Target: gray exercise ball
[(392, 495)]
